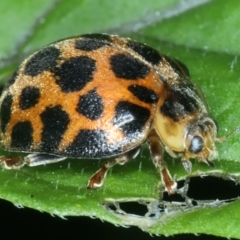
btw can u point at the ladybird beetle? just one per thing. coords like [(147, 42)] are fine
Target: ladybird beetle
[(101, 96)]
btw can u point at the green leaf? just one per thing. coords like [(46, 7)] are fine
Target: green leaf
[(202, 34)]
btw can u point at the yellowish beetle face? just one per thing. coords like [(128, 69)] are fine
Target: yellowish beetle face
[(194, 139)]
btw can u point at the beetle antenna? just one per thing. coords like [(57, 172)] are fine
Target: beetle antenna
[(222, 139)]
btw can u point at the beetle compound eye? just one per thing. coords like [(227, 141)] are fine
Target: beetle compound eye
[(196, 145)]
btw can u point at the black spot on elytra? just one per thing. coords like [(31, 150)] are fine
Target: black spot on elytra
[(75, 73), (29, 97), (90, 44), (144, 94), (148, 53), (91, 105), (127, 67), (178, 66), (43, 60), (5, 113), (130, 118), (22, 136), (98, 36), (89, 144), (55, 122), (179, 103)]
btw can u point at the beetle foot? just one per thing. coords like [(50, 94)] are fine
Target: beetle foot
[(169, 183), (97, 178), (171, 188), (209, 163), (11, 162)]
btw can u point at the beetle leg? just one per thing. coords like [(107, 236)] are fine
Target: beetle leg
[(11, 162), (36, 159), (98, 177), (157, 151), (15, 162)]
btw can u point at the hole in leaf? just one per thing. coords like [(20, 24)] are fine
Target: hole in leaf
[(191, 193), (134, 208), (194, 203), (212, 188), (180, 184), (174, 197), (112, 207)]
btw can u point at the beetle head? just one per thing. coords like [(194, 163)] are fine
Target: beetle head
[(199, 140)]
